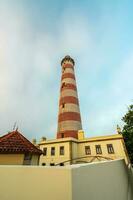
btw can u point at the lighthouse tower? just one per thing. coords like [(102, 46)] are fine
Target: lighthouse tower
[(69, 119)]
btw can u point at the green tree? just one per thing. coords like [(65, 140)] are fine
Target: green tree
[(128, 131)]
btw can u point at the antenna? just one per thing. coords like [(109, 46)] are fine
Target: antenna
[(14, 126)]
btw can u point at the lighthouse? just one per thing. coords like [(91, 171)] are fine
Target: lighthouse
[(70, 145), (69, 118)]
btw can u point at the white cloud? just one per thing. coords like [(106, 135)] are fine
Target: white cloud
[(30, 74), (28, 70)]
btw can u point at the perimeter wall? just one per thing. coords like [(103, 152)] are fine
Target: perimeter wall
[(96, 181)]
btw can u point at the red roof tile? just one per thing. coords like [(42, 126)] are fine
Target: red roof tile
[(15, 142)]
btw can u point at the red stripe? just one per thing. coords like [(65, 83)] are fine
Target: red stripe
[(67, 86), (69, 99), (68, 65), (70, 133), (74, 116), (68, 75)]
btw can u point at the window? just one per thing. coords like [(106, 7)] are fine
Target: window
[(44, 151), (62, 135), (43, 164), (52, 164), (52, 151), (61, 164), (27, 159), (63, 105), (110, 148), (27, 156), (63, 85), (98, 149), (62, 150), (87, 150)]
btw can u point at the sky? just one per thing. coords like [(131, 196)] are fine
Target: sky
[(36, 35)]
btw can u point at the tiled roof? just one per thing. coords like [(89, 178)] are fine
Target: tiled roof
[(15, 142)]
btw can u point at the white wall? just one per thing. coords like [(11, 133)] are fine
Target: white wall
[(102, 181)]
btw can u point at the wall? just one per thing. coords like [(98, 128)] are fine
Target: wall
[(35, 160), (95, 181), (11, 159), (117, 145), (102, 181), (74, 151), (57, 158), (17, 159), (76, 148), (34, 183)]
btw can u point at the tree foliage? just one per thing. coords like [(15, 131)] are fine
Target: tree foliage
[(128, 131)]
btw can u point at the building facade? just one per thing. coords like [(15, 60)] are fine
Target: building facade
[(73, 151), (70, 145)]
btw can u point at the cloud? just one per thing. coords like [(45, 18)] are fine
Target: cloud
[(30, 54), (30, 70)]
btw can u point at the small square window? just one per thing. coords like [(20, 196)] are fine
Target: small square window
[(27, 156), (110, 148), (43, 164), (63, 105), (87, 150), (27, 159), (63, 85), (62, 150), (98, 149), (62, 135), (52, 151), (44, 151), (52, 164), (61, 164)]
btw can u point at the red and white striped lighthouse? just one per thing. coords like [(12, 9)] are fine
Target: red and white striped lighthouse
[(69, 119)]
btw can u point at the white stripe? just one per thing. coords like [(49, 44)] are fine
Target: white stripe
[(69, 92), (69, 125), (69, 70), (69, 80), (69, 108)]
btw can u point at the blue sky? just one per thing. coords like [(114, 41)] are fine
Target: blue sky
[(36, 35)]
